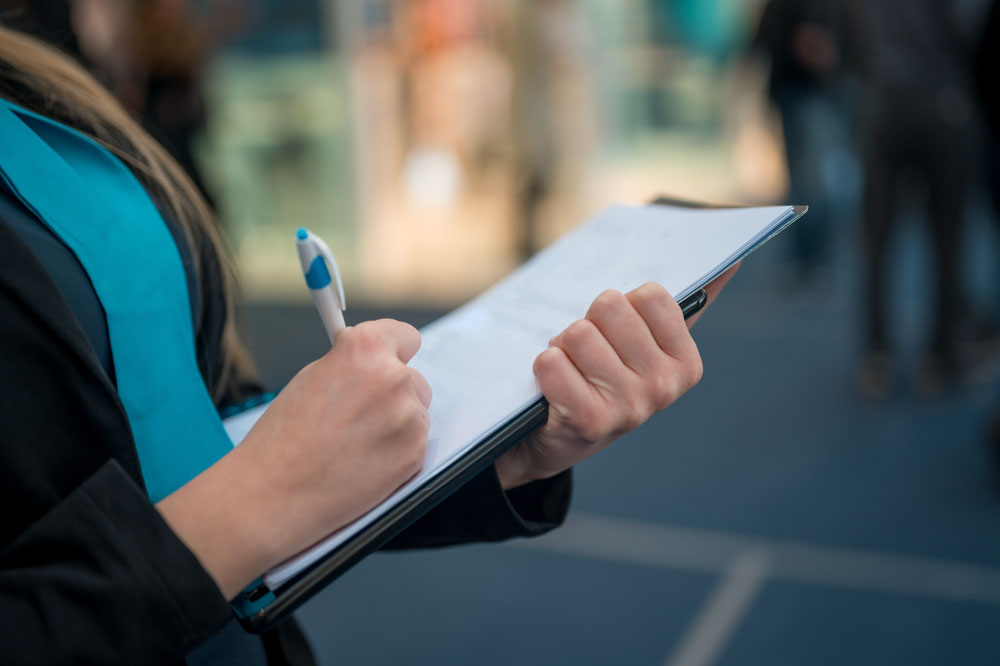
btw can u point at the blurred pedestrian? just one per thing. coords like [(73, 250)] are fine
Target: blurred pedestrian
[(92, 32), (919, 74), (149, 53), (170, 45), (988, 73), (805, 43), (49, 20), (550, 49)]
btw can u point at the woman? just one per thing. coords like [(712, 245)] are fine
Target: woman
[(126, 527)]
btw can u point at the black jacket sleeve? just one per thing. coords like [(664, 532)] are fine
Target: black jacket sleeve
[(481, 511), (89, 572), (101, 579)]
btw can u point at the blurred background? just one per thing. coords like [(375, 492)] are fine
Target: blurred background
[(829, 493)]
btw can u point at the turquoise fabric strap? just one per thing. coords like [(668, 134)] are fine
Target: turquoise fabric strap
[(89, 199)]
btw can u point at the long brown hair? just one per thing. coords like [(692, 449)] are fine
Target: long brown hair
[(39, 78)]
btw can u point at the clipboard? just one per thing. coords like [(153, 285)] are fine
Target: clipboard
[(259, 608)]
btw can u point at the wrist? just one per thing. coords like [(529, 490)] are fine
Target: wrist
[(217, 517)]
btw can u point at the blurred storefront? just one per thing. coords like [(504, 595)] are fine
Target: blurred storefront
[(436, 143)]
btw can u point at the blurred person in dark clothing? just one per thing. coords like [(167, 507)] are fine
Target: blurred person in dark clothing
[(919, 73), (988, 71), (980, 325), (805, 41), (49, 20), (92, 32), (988, 74), (170, 44), (149, 53)]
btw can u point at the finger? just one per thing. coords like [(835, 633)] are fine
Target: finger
[(595, 358), (664, 318), (422, 388), (403, 339), (712, 289), (562, 384), (626, 331)]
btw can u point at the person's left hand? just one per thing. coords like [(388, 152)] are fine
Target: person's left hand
[(630, 357)]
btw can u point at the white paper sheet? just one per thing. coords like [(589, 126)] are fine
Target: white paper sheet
[(478, 358)]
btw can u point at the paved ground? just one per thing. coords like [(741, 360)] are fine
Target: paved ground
[(769, 517)]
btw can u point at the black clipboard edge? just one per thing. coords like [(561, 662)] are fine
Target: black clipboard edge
[(303, 587)]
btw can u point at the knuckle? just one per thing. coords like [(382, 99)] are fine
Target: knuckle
[(542, 363), (361, 342), (651, 293), (579, 332), (363, 331), (369, 335), (662, 389), (635, 416), (653, 298), (546, 362), (348, 337), (679, 385), (389, 373), (697, 370), (692, 366), (608, 302), (419, 381), (409, 332), (417, 417), (399, 332), (668, 386), (416, 452), (398, 374)]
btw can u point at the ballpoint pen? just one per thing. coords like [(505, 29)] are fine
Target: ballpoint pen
[(323, 280)]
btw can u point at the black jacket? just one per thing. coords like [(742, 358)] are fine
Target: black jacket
[(89, 571)]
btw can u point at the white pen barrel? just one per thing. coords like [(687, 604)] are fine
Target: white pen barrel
[(329, 312)]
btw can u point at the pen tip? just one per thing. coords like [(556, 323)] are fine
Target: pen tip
[(301, 234)]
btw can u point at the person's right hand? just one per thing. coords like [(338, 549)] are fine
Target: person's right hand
[(346, 432)]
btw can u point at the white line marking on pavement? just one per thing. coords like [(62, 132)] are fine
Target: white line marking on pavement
[(702, 550), (722, 612)]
